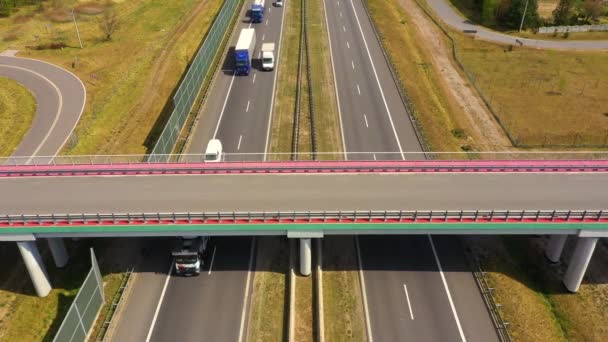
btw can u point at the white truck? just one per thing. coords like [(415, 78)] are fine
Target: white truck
[(213, 153), (189, 255), (267, 56)]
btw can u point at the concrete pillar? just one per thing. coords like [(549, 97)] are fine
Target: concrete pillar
[(35, 267), (305, 257), (555, 247), (578, 264), (60, 254)]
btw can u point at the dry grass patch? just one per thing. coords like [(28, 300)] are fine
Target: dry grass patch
[(17, 109), (305, 309), (342, 301), (269, 304)]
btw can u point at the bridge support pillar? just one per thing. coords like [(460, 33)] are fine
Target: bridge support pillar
[(35, 267), (579, 262), (305, 256), (555, 247), (60, 254)]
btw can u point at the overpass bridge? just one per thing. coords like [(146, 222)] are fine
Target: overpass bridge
[(306, 200)]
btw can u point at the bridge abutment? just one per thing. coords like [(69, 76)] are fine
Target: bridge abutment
[(59, 252), (579, 262), (305, 256), (35, 267), (555, 247)]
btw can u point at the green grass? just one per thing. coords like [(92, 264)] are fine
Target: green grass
[(343, 307), (129, 78), (17, 109), (269, 304), (544, 98)]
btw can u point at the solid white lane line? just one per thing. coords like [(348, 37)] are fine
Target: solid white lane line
[(365, 118), (263, 36), (343, 28), (333, 71), (369, 55), (353, 64), (347, 45), (447, 290), (247, 109), (215, 247), (358, 89), (407, 295), (238, 147), (217, 127), (160, 302), (254, 75), (246, 297), (274, 84), (362, 280)]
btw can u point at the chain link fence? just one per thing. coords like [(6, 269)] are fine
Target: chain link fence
[(189, 88), (84, 308)]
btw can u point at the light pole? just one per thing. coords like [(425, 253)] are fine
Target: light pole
[(76, 26), (521, 25)]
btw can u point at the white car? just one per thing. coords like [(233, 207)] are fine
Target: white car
[(278, 3)]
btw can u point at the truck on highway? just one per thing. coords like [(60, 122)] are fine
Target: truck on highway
[(213, 153), (189, 255), (243, 52), (257, 11), (267, 56)]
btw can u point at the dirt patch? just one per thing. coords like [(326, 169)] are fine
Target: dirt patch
[(483, 128), (90, 8), (58, 15)]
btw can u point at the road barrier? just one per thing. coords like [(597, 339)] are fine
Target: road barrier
[(306, 217), (103, 332), (189, 88), (85, 307)]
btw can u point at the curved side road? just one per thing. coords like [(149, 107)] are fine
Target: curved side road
[(449, 15), (60, 97)]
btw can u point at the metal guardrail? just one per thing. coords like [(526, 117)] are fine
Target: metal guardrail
[(302, 217), (114, 306)]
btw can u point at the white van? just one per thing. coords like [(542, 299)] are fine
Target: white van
[(278, 3), (213, 154)]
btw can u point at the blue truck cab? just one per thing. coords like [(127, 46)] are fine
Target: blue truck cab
[(243, 52), (257, 11)]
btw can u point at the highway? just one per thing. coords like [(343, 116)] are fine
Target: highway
[(373, 118), (60, 98), (449, 15), (237, 111)]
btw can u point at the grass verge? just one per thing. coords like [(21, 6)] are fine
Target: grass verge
[(26, 317), (343, 305), (128, 78), (269, 303), (17, 109), (305, 309)]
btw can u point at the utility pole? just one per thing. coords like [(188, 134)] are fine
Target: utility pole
[(76, 26), (521, 25)]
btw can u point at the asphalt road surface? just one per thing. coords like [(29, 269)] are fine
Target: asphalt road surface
[(60, 98), (210, 193), (213, 306), (449, 15), (373, 118)]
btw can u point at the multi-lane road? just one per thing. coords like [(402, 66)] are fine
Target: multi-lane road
[(215, 304)]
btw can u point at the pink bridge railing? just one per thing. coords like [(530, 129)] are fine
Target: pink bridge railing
[(306, 167)]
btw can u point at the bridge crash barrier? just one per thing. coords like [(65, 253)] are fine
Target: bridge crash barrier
[(84, 309), (191, 84)]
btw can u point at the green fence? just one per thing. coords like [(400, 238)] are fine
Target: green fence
[(191, 84), (83, 311)]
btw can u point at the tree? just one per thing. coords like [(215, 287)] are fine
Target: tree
[(109, 23), (592, 9), (509, 13), (563, 12)]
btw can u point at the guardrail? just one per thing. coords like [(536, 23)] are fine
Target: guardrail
[(311, 167), (486, 292), (114, 306), (303, 217)]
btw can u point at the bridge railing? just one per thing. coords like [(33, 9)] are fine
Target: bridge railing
[(259, 157), (304, 217)]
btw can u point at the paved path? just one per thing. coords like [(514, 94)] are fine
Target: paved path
[(60, 98), (450, 16)]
